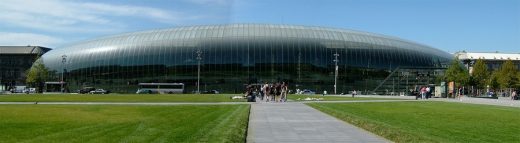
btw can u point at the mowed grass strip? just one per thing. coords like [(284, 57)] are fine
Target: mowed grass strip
[(296, 97), (430, 121), (119, 98), (107, 123)]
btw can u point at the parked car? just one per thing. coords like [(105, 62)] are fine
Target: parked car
[(86, 90), (144, 91), (211, 92), (19, 89), (29, 90), (99, 91), (307, 91)]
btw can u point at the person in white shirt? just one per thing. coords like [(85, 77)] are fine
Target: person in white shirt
[(513, 95), (427, 92)]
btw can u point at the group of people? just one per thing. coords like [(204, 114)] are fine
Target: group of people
[(270, 92), (424, 92)]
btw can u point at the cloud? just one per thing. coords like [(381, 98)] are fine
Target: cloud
[(55, 22), (24, 39), (74, 16), (127, 10), (49, 23)]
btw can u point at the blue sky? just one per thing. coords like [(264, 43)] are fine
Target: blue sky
[(450, 25)]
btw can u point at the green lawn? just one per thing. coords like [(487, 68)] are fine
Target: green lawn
[(430, 121), (104, 123), (120, 98), (296, 97)]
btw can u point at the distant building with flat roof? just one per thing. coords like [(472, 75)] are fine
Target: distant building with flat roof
[(493, 60), (14, 61)]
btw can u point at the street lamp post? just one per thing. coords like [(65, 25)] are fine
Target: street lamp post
[(336, 72), (199, 58), (63, 61)]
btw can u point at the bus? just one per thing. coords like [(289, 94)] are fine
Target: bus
[(161, 88)]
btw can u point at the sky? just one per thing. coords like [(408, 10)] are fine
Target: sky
[(449, 25)]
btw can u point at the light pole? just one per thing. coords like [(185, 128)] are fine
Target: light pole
[(299, 68), (336, 72), (63, 61), (199, 58)]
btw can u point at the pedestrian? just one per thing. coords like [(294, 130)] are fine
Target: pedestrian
[(324, 92), (354, 93), (513, 95), (414, 92), (248, 93), (267, 92), (423, 92), (284, 92), (272, 92), (428, 92), (262, 91), (278, 91), (460, 92)]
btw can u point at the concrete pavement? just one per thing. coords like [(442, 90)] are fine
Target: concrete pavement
[(501, 101), (299, 123)]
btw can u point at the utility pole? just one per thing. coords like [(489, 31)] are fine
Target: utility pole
[(63, 61), (199, 58), (336, 72), (299, 68)]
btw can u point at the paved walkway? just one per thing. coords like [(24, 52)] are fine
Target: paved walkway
[(501, 101), (299, 123)]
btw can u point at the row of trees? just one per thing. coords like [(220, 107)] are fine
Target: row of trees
[(506, 78)]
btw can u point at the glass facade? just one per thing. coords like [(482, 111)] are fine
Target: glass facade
[(14, 62), (237, 54)]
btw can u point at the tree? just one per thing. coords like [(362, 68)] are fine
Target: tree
[(37, 74), (507, 75), (456, 73), (493, 81), (480, 75), (518, 83)]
